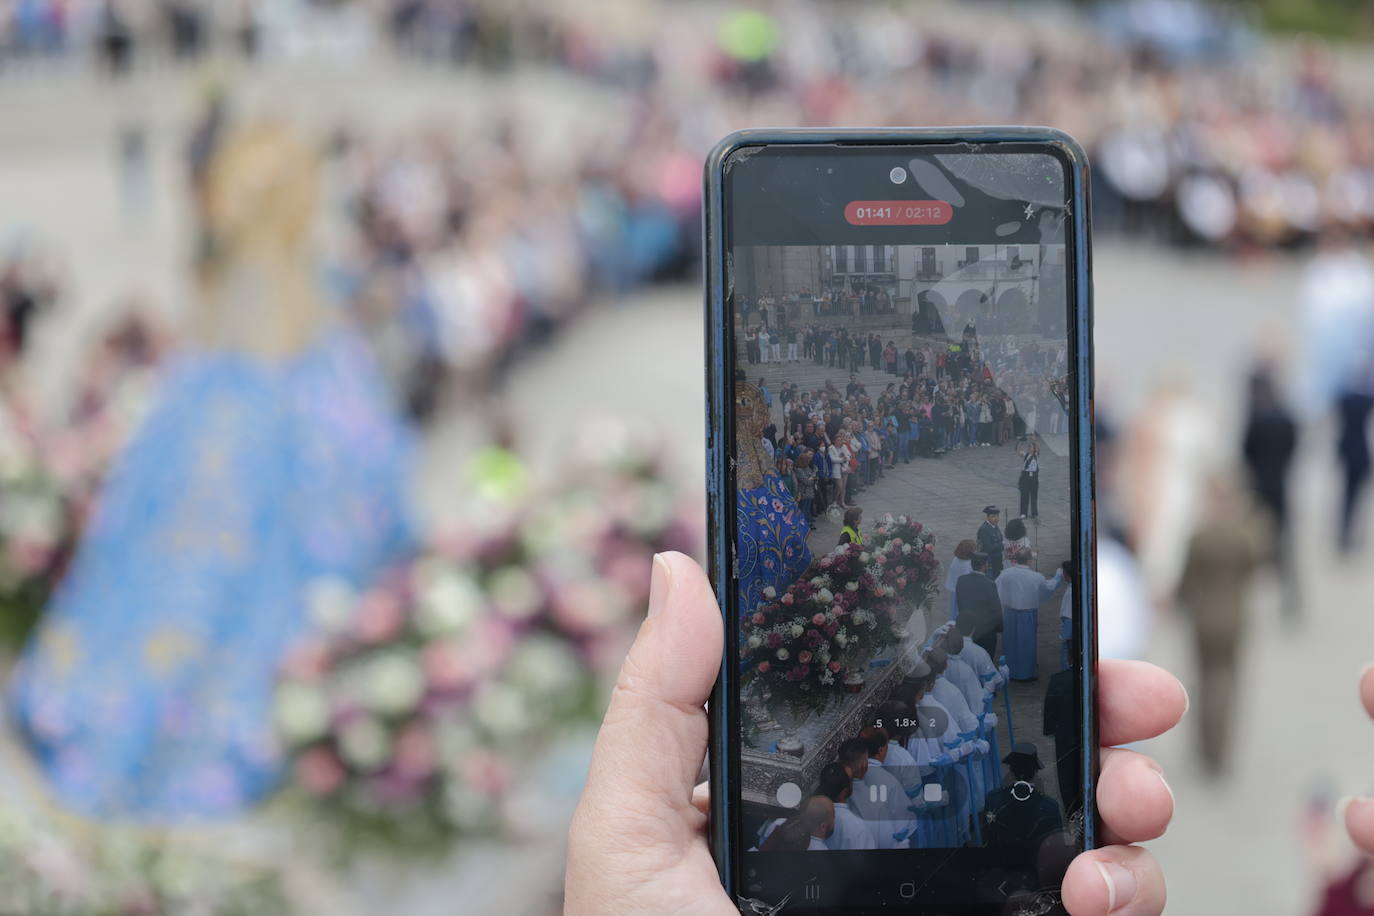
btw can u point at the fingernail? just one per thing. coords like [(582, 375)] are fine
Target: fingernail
[(1187, 703), (1351, 801), (660, 584), (1165, 783), (1365, 670), (1120, 884)]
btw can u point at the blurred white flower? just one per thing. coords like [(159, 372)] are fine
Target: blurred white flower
[(783, 655), (395, 683), (449, 602), (330, 603), (546, 666), (515, 593), (365, 743), (301, 714), (502, 710), (755, 642), (770, 593)]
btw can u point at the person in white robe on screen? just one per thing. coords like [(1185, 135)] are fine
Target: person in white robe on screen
[(948, 694), (976, 657), (961, 674), (877, 797), (936, 744), (898, 721), (966, 723), (851, 831)]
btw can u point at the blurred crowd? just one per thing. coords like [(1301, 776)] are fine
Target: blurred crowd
[(462, 251), (1193, 142)]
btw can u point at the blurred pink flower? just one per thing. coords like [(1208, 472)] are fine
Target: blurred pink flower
[(29, 557), (380, 616), (443, 664), (307, 662), (319, 771), (486, 771), (417, 753), (630, 569)]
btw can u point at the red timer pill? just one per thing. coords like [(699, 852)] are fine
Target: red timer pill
[(898, 212)]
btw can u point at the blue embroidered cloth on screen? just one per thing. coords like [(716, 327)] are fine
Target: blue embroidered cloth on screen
[(771, 529), (771, 542), (147, 690)]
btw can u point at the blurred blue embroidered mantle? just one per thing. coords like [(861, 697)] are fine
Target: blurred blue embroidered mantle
[(146, 693)]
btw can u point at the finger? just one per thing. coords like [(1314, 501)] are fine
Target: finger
[(1133, 799), (1367, 689), (1121, 880), (701, 797), (653, 737), (1359, 821), (1136, 700)]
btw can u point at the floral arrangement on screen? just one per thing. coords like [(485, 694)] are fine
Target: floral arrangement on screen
[(840, 613), (905, 555), (406, 717), (846, 608)]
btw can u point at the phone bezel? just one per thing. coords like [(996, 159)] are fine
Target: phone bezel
[(724, 756)]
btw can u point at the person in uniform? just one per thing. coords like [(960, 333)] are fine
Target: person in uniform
[(1029, 481), (1019, 814), (990, 540), (980, 606)]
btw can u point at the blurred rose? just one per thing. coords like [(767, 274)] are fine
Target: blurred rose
[(417, 753), (443, 665), (630, 569), (306, 662), (319, 771), (588, 606), (379, 616), (29, 557), (484, 770)]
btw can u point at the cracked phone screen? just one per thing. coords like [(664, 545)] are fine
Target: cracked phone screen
[(909, 671)]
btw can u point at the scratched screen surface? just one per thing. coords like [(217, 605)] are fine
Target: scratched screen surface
[(907, 655)]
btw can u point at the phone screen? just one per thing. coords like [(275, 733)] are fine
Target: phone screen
[(909, 664)]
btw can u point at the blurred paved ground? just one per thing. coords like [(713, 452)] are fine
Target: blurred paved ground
[(1234, 846)]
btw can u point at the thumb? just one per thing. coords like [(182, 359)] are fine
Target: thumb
[(653, 737)]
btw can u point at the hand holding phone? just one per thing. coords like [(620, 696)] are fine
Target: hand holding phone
[(638, 842)]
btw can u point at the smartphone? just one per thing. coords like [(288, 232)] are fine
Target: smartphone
[(904, 720)]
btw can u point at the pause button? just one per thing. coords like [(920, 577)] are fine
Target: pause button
[(877, 794)]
